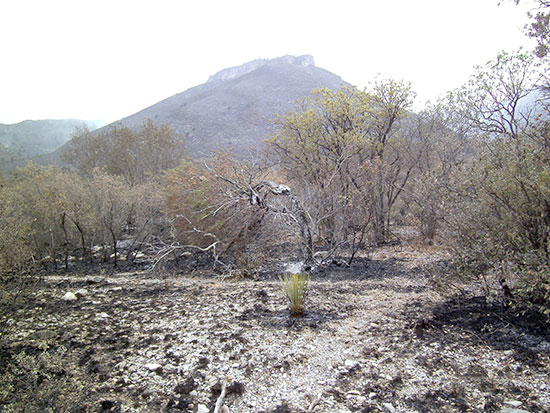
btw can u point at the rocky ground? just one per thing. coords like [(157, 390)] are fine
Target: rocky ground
[(375, 338)]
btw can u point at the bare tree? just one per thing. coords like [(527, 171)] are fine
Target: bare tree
[(135, 155), (496, 99)]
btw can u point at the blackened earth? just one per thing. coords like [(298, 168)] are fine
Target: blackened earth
[(375, 337)]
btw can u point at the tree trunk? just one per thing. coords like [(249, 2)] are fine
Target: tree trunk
[(113, 237), (379, 228), (66, 241), (308, 248), (82, 242)]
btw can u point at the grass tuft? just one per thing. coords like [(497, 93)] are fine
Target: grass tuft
[(295, 288)]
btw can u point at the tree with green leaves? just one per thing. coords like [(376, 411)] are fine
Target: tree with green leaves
[(344, 151), (539, 27), (498, 213)]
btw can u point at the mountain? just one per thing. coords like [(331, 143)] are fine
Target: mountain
[(25, 140), (235, 108)]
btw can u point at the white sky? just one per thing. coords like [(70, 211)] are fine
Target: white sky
[(106, 59)]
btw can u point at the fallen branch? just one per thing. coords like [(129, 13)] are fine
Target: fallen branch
[(315, 402), (164, 252), (219, 402)]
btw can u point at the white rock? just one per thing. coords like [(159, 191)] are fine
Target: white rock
[(154, 367), (201, 408), (95, 279), (513, 403), (349, 363), (389, 407), (372, 395), (69, 296), (170, 368), (81, 293)]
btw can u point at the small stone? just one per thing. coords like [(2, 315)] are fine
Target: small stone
[(170, 368), (225, 409), (69, 296), (236, 387), (389, 407), (201, 408), (354, 393), (203, 362), (512, 410), (157, 368), (101, 316), (95, 279), (43, 334), (81, 293), (349, 363), (372, 395), (147, 393), (513, 403), (186, 387)]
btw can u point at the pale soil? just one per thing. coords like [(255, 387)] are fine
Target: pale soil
[(376, 337)]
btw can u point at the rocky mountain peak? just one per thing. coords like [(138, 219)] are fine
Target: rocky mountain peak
[(304, 60), (235, 109), (237, 71)]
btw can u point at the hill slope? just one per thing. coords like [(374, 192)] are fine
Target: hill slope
[(234, 109), (31, 138)]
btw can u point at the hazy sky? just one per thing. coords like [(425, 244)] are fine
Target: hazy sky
[(109, 59)]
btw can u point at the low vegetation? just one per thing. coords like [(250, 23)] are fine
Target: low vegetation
[(345, 171), (295, 289), (471, 172)]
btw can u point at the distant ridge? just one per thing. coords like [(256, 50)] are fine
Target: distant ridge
[(235, 108), (25, 140)]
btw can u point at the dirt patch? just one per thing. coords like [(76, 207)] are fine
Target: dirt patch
[(375, 337)]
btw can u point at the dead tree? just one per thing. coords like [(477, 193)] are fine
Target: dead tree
[(259, 195)]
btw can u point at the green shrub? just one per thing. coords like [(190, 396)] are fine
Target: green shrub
[(295, 288), (498, 217), (38, 381)]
